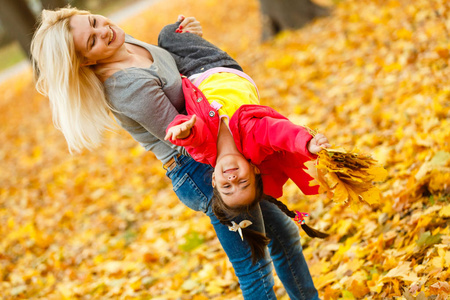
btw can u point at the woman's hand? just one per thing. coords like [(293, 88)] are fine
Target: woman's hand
[(181, 131), (317, 143), (189, 24)]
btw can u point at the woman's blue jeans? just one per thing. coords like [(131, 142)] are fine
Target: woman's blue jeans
[(192, 184)]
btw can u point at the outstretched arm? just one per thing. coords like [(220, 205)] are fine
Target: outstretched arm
[(282, 134), (193, 134), (317, 143), (180, 131), (200, 143)]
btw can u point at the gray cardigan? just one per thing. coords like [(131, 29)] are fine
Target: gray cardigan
[(146, 100)]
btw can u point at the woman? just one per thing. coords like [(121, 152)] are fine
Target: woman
[(88, 66)]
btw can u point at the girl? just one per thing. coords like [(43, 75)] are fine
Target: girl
[(88, 66), (253, 149)]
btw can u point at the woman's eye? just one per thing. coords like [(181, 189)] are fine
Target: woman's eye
[(226, 186), (243, 181), (94, 23)]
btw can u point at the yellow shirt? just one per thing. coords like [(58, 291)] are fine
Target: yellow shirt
[(230, 91)]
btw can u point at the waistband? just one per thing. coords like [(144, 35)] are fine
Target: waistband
[(197, 79), (172, 163)]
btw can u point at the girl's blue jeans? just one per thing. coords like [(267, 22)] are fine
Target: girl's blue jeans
[(192, 184)]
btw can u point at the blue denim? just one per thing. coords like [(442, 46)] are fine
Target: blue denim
[(192, 184)]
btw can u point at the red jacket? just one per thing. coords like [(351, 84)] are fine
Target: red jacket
[(269, 140)]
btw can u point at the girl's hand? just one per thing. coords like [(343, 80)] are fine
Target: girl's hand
[(181, 131), (189, 24), (318, 143)]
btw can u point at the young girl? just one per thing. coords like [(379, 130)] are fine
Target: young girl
[(254, 150)]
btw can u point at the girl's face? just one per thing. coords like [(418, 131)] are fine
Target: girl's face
[(234, 178), (96, 38)]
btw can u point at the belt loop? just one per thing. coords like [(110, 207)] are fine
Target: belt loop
[(172, 163), (177, 158)]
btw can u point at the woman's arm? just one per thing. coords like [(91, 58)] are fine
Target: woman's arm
[(143, 100), (189, 24)]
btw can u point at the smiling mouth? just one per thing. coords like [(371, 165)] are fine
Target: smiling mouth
[(230, 170), (112, 36)]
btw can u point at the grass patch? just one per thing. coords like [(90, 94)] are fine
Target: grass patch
[(10, 55)]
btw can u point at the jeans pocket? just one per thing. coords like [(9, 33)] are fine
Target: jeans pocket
[(190, 194)]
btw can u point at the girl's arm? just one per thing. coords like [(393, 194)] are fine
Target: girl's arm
[(194, 137), (283, 135), (199, 141), (180, 131), (317, 143)]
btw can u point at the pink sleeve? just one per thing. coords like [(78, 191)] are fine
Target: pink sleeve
[(282, 135)]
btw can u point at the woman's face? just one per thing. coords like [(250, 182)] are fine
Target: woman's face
[(96, 38)]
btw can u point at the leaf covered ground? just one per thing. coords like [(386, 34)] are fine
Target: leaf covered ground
[(106, 224)]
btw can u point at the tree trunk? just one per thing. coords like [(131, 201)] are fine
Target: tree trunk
[(18, 21), (278, 15), (53, 4)]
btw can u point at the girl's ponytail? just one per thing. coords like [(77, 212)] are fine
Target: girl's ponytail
[(309, 230)]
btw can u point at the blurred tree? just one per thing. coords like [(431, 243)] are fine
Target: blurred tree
[(5, 39), (52, 4), (278, 15), (19, 21)]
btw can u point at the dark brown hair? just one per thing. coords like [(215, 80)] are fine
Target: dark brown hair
[(224, 213), (256, 240)]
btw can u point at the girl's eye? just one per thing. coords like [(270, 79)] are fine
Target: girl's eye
[(95, 22), (243, 181), (226, 186)]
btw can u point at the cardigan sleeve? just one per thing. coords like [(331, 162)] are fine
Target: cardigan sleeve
[(282, 135), (145, 102)]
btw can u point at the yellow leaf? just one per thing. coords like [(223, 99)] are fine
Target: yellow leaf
[(445, 212), (200, 297), (340, 193), (11, 222), (402, 271), (378, 172), (437, 262), (371, 196), (332, 180), (214, 288), (359, 289), (404, 34)]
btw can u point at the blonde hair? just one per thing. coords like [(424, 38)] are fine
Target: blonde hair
[(79, 106)]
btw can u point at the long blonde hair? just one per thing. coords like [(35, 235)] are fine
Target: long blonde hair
[(79, 106)]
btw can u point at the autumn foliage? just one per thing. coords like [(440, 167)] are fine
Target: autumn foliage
[(106, 224)]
